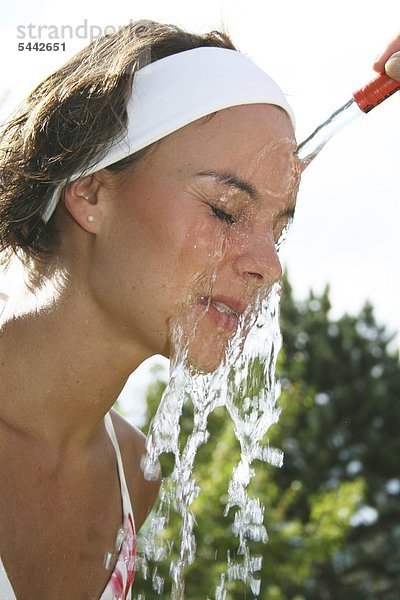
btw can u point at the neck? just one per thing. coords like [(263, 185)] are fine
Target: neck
[(62, 364)]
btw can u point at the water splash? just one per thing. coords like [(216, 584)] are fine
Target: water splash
[(245, 384)]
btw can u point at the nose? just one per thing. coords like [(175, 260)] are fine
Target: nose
[(257, 260)]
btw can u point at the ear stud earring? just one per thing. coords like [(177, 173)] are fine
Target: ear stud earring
[(90, 218)]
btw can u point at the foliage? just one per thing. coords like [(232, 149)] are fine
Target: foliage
[(332, 510)]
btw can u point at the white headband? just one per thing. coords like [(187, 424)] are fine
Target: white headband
[(177, 90)]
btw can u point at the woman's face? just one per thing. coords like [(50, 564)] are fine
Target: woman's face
[(190, 232)]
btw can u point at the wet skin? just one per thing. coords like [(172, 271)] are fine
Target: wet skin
[(173, 237)]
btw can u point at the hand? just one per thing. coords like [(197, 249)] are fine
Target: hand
[(389, 60)]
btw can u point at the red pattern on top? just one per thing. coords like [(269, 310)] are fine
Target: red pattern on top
[(124, 571)]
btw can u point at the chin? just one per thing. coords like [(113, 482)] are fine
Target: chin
[(204, 360), (202, 338), (207, 349)]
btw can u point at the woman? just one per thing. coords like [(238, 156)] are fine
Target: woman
[(132, 212)]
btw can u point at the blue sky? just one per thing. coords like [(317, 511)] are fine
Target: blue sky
[(346, 226)]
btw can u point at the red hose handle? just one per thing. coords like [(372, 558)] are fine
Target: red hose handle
[(375, 92)]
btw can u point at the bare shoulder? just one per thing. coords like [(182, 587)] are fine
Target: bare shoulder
[(132, 443)]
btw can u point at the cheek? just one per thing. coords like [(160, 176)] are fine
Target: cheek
[(167, 253), (175, 244), (203, 251), (150, 224)]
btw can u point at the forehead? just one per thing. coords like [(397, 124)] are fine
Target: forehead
[(254, 141)]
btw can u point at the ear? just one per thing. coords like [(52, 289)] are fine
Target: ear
[(81, 201)]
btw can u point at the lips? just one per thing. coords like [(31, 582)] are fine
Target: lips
[(235, 306), (224, 308), (225, 312)]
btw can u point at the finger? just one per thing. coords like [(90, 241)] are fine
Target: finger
[(392, 67), (394, 46)]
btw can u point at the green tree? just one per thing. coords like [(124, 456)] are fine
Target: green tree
[(332, 510)]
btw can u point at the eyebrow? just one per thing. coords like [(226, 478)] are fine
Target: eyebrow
[(245, 186), (233, 181)]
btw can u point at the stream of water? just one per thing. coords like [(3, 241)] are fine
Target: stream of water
[(245, 384), (308, 150)]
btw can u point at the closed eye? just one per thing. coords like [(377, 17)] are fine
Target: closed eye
[(222, 215)]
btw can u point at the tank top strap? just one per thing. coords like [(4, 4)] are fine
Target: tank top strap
[(126, 500), (6, 591)]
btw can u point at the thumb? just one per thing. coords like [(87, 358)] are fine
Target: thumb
[(392, 66)]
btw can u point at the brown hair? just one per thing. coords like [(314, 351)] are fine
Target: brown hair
[(70, 120)]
